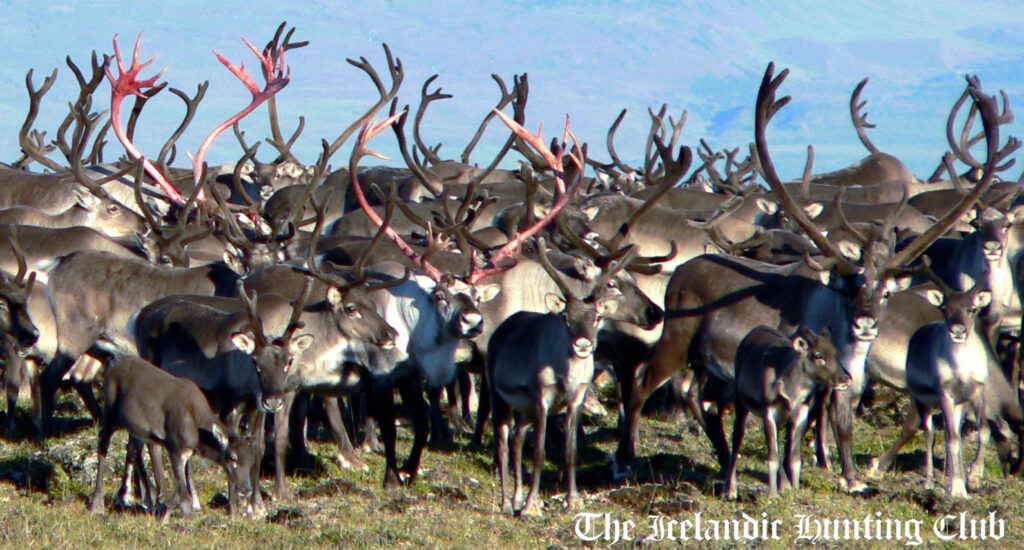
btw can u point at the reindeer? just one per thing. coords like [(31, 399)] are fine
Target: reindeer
[(887, 363), (162, 409), (775, 378), (944, 370), (538, 364), (711, 301)]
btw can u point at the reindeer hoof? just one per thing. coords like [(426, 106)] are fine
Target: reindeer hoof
[(620, 471), (852, 486), (872, 470), (532, 509), (351, 462), (97, 507)]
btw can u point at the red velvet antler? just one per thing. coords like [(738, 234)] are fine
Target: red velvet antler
[(277, 78), (127, 83)]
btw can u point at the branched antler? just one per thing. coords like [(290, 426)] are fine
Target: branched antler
[(32, 142), (860, 120), (276, 75), (125, 84)]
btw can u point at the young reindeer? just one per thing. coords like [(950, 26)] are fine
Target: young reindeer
[(537, 364), (946, 368), (172, 412), (775, 378)]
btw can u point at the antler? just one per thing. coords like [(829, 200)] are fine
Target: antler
[(276, 75), (125, 84), (766, 107), (990, 119), (860, 121), (554, 159)]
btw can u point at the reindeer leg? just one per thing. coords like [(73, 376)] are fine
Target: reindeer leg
[(518, 442), (771, 438), (841, 415), (281, 428), (977, 471), (382, 396), (346, 455), (97, 505), (411, 391), (953, 415), (911, 424), (483, 410), (179, 460), (440, 434), (739, 426), (572, 422), (533, 505), (795, 431), (929, 447), (501, 417)]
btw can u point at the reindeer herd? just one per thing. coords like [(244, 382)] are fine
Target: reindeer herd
[(210, 304)]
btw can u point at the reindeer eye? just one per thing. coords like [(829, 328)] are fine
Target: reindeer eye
[(165, 260), (613, 284)]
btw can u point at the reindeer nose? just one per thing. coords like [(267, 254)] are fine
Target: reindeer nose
[(993, 250), (865, 327), (471, 323), (272, 404), (582, 347), (28, 337), (654, 315), (958, 333), (386, 339)]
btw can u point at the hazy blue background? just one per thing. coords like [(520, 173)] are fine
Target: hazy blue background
[(587, 59)]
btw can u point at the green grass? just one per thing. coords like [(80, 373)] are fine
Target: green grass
[(454, 503)]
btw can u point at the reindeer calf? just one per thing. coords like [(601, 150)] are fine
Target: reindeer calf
[(172, 412), (775, 378)]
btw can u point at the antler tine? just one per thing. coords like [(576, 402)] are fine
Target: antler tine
[(255, 323), (19, 253), (191, 104), (395, 69), (276, 76), (36, 151), (845, 223), (625, 168), (860, 120), (960, 147), (925, 268), (555, 160), (293, 322), (277, 50), (556, 276), (418, 170), (805, 180), (506, 98), (767, 106), (674, 169), (425, 100)]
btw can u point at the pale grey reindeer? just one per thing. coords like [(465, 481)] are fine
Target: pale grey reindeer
[(776, 377), (947, 368), (538, 364)]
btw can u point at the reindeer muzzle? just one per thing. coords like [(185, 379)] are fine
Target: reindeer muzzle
[(865, 328), (272, 404)]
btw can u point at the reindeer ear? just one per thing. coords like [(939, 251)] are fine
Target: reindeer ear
[(215, 436), (902, 282), (591, 212), (814, 209), (244, 342), (488, 292), (300, 343), (86, 199), (766, 206), (554, 302), (233, 261), (333, 296), (850, 250), (934, 296), (983, 298), (801, 345)]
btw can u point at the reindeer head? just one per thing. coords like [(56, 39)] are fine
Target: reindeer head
[(14, 295), (272, 357), (819, 358)]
